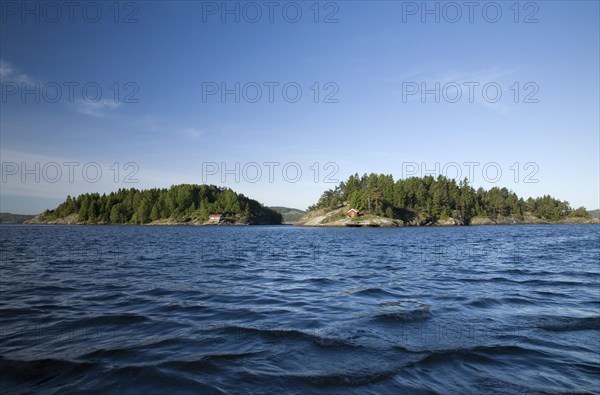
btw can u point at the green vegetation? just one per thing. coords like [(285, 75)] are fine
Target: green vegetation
[(181, 203), (290, 215), (8, 218), (438, 199)]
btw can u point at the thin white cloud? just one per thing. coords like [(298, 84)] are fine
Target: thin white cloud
[(161, 125), (191, 133), (9, 73), (150, 123), (101, 108), (504, 77)]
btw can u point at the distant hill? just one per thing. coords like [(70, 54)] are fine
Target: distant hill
[(8, 218), (594, 213), (290, 215)]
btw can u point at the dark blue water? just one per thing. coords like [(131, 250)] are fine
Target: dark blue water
[(505, 309)]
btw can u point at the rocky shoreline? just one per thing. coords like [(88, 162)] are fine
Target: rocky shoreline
[(338, 218), (73, 219)]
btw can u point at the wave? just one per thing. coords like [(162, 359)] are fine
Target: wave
[(110, 319), (209, 361), (16, 311), (180, 310), (279, 335), (480, 355), (567, 324), (484, 303), (493, 302), (404, 311), (34, 373), (321, 280), (372, 292), (149, 378), (51, 288), (349, 378)]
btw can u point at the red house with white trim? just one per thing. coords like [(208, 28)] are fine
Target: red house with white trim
[(215, 217), (353, 213)]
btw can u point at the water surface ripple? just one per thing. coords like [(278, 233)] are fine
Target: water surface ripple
[(125, 309)]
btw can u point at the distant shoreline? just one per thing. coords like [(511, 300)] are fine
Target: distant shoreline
[(593, 221), (316, 218), (448, 226), (74, 220), (339, 219)]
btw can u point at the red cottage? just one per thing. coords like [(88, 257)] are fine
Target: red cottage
[(353, 213), (215, 217)]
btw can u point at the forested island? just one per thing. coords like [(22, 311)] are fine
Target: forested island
[(179, 204), (374, 199), (379, 200)]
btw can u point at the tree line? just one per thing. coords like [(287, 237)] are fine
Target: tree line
[(180, 202), (438, 198)]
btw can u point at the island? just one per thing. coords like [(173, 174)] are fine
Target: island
[(290, 215), (186, 204), (379, 200), (14, 219)]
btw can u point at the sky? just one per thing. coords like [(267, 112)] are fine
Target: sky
[(282, 100)]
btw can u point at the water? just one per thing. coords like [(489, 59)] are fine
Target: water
[(504, 309)]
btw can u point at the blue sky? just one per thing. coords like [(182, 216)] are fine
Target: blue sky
[(165, 128)]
